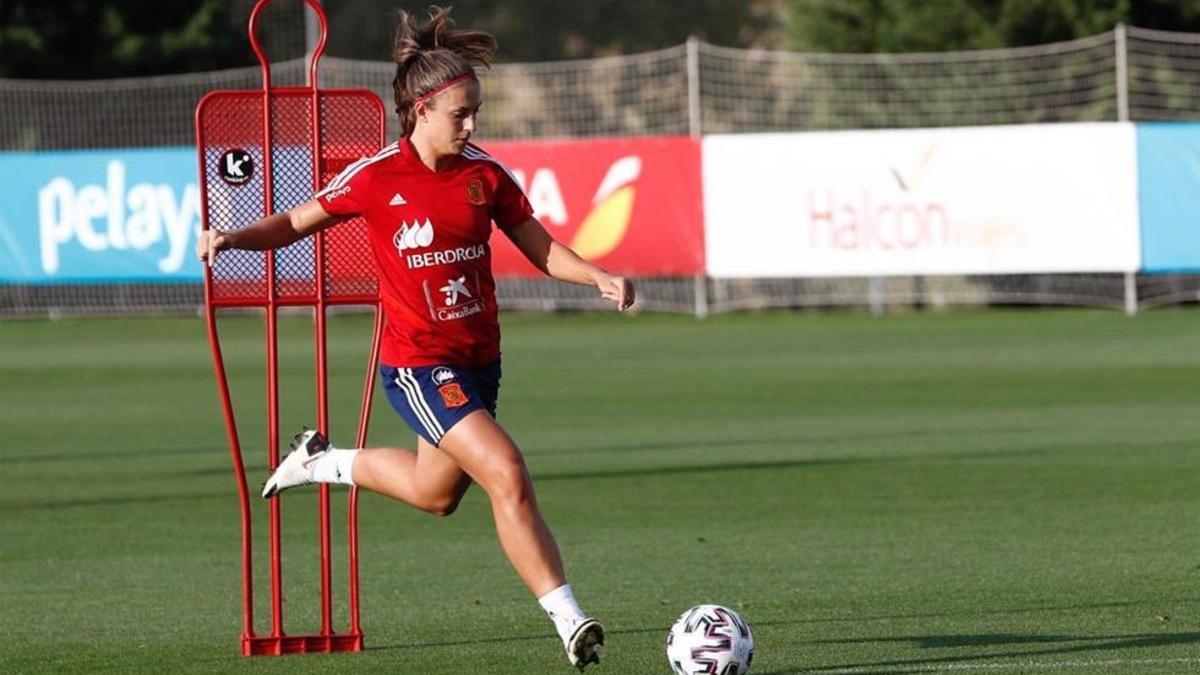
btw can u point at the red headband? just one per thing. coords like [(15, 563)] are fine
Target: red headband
[(444, 87)]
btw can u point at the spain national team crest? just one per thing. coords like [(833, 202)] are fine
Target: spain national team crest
[(453, 395), (475, 193)]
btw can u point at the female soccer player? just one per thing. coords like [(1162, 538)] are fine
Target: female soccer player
[(430, 200)]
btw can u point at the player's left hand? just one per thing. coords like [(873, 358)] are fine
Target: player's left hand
[(618, 289)]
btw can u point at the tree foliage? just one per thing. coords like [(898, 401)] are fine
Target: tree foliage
[(540, 30), (110, 38), (869, 26), (114, 38)]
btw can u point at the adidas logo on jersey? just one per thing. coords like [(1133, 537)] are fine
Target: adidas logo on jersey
[(417, 235), (398, 200)]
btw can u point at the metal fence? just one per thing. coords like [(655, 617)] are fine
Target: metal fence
[(694, 88), (1126, 74)]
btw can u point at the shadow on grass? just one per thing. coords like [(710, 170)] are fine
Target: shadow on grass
[(778, 464), (926, 642), (102, 454), (996, 639), (548, 636), (711, 443), (254, 470), (1072, 644), (85, 454), (933, 615), (112, 501), (1026, 647)]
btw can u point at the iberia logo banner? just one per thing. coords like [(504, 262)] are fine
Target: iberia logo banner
[(633, 205)]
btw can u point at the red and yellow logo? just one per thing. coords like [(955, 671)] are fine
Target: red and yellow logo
[(475, 194), (608, 221), (453, 395), (630, 204)]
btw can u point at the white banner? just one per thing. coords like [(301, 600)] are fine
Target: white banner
[(976, 200)]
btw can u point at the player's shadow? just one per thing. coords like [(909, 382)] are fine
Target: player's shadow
[(709, 442), (93, 454), (92, 502), (1006, 646), (719, 467), (500, 639)]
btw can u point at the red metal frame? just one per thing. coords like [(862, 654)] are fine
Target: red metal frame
[(278, 641)]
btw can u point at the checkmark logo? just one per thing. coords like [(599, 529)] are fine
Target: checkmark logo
[(912, 179)]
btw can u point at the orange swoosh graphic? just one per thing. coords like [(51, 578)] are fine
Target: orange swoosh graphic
[(605, 227)]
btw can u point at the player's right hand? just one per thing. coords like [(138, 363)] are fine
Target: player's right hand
[(209, 243)]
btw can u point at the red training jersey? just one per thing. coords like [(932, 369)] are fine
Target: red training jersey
[(429, 235)]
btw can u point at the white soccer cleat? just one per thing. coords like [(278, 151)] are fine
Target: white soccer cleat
[(297, 468), (582, 648)]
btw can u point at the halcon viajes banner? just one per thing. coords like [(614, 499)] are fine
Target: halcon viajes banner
[(979, 200)]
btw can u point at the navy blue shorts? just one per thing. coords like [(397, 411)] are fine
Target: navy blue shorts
[(432, 399)]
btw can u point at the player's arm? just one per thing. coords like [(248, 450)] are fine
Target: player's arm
[(274, 231), (560, 262)]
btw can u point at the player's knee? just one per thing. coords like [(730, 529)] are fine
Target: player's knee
[(511, 485), (443, 507), (440, 504)]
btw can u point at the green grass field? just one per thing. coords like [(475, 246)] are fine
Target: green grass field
[(1000, 491)]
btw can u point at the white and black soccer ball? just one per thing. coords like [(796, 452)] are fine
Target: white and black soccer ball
[(710, 640)]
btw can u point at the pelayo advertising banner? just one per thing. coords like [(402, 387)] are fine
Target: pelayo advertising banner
[(976, 200), (632, 205), (99, 216)]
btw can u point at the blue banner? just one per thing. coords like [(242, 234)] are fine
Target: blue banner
[(1169, 196), (99, 216)]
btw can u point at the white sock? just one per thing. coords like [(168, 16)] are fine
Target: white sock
[(562, 609), (336, 466)]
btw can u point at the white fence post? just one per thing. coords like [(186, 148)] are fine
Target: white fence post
[(877, 295), (1122, 61), (693, 89), (1131, 294), (695, 130)]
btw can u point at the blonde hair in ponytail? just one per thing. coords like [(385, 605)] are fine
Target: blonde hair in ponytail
[(430, 55)]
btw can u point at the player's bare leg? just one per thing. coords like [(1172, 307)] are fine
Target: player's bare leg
[(486, 452), (427, 479), (434, 479), (489, 456)]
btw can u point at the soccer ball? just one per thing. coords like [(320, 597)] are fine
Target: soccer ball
[(712, 640)]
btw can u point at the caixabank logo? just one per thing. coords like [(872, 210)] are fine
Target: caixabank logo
[(632, 205)]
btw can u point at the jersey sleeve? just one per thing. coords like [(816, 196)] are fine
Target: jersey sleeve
[(346, 194), (510, 207)]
